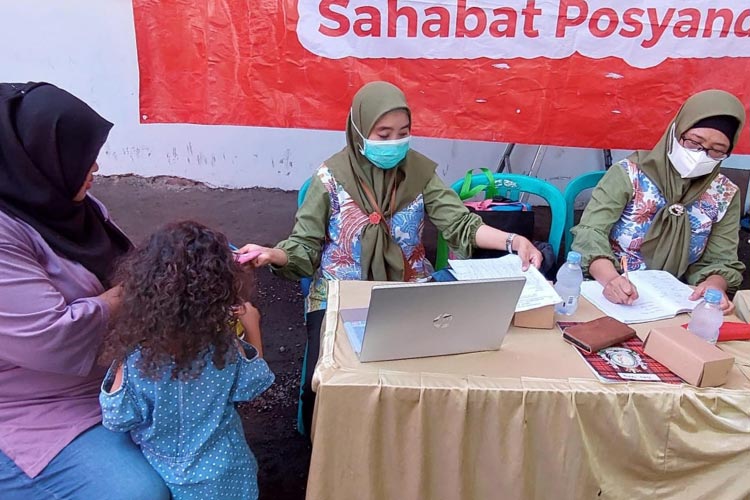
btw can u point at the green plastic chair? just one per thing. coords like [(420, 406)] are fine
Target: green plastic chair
[(511, 186), (305, 286), (572, 190), (303, 191)]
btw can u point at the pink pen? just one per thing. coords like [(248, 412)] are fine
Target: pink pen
[(243, 258)]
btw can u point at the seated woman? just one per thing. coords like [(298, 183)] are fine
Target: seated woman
[(363, 215), (670, 208), (57, 247)]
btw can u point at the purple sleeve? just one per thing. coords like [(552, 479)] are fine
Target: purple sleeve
[(38, 329)]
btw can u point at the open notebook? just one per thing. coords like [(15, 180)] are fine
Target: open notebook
[(660, 296)]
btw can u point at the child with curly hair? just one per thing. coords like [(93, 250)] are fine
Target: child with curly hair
[(179, 367)]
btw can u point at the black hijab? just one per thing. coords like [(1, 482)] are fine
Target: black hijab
[(49, 140)]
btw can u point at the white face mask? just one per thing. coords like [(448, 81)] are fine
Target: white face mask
[(689, 164)]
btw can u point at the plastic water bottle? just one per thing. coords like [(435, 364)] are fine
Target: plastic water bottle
[(708, 316), (568, 286)]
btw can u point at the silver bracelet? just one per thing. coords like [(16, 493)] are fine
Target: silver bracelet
[(509, 242)]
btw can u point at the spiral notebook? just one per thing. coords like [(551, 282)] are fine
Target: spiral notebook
[(660, 296)]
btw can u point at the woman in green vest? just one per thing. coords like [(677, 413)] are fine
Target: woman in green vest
[(670, 208), (363, 215)]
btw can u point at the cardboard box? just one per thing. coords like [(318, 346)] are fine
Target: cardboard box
[(541, 317), (690, 357)]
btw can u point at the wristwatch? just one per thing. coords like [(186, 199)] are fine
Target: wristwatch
[(509, 242)]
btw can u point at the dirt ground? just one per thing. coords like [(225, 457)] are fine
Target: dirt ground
[(262, 216)]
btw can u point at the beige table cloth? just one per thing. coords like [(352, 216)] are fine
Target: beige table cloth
[(742, 304), (527, 421)]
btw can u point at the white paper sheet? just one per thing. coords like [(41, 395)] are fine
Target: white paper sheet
[(537, 292)]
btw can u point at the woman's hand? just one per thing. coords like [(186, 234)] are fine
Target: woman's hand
[(527, 251), (494, 239), (719, 283), (113, 299), (619, 290), (257, 256)]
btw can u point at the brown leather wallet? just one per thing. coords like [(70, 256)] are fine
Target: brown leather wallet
[(597, 334)]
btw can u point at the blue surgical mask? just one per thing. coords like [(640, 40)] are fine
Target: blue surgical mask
[(384, 154)]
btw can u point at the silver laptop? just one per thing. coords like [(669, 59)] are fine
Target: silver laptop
[(414, 320)]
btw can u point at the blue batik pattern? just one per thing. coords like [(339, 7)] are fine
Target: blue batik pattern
[(627, 234), (342, 250)]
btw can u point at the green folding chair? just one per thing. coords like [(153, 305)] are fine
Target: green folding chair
[(572, 190), (303, 191), (511, 186), (305, 286)]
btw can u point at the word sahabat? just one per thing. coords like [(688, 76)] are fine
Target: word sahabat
[(394, 19)]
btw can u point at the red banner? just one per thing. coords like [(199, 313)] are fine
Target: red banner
[(589, 73)]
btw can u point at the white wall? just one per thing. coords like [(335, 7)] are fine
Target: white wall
[(88, 47)]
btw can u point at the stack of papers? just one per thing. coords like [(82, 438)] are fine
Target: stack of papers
[(537, 292)]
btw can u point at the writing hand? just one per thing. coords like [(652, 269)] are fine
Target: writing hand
[(620, 290)]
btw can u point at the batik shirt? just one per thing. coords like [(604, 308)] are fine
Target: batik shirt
[(624, 212), (326, 240), (628, 233)]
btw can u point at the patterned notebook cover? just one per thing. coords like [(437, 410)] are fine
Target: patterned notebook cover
[(624, 362)]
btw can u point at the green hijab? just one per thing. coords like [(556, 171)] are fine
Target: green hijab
[(392, 190), (667, 242)]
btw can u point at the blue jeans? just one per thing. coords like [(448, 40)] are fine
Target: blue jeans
[(98, 464)]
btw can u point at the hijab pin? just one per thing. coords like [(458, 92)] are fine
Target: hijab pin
[(676, 209), (374, 218)]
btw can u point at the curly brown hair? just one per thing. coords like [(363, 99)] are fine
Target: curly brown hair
[(179, 291)]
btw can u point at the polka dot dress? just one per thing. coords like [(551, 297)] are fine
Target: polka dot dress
[(189, 430)]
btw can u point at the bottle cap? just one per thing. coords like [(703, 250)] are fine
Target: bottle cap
[(712, 296), (574, 257)]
